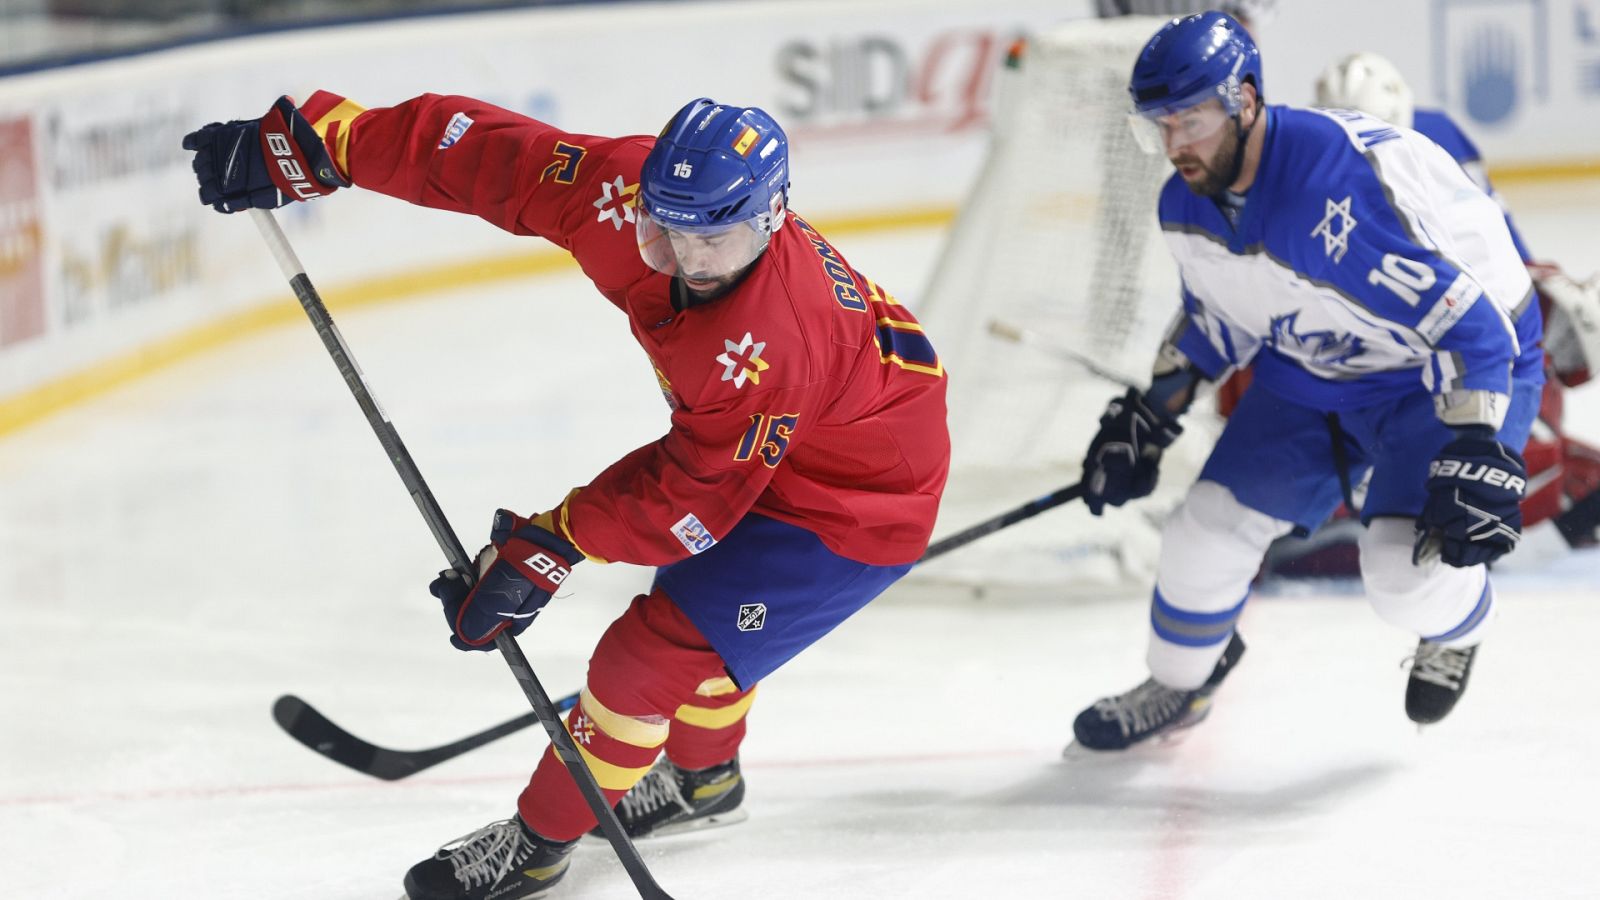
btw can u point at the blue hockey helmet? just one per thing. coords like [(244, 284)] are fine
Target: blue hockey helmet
[(1191, 60), (712, 191)]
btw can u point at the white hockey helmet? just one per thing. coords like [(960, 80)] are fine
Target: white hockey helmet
[(1369, 83)]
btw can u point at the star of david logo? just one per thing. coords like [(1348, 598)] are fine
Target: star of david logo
[(1335, 229), (743, 360), (614, 195)]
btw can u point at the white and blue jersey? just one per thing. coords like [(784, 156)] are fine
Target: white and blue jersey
[(1438, 127), (1364, 265)]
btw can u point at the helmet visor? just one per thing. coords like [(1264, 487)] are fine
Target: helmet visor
[(1169, 127), (700, 253)]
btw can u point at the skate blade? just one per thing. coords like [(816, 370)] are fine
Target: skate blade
[(718, 820)]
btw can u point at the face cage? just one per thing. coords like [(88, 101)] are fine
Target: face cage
[(705, 253)]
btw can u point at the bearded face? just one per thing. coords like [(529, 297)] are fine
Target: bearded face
[(1209, 171), (1204, 141)]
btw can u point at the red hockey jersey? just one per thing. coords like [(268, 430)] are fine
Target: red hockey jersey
[(806, 394)]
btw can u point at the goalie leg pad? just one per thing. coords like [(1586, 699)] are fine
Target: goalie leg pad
[(1444, 604), (1211, 547)]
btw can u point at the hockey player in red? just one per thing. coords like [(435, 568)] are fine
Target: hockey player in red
[(799, 478)]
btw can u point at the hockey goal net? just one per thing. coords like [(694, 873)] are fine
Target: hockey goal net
[(1054, 292)]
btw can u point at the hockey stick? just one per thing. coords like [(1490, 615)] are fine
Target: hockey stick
[(543, 710), (1005, 520), (308, 726)]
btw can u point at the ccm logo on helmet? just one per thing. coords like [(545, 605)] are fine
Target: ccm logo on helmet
[(1455, 468), (279, 144)]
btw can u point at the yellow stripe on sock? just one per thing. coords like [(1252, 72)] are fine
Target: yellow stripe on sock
[(715, 719), (627, 729), (608, 776)]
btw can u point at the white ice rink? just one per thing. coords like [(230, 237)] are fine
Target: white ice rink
[(176, 554)]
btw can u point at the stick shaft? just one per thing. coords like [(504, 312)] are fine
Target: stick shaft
[(1004, 520)]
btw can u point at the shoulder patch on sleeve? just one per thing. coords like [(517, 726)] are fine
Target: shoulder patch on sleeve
[(453, 131), (1449, 308), (693, 535)]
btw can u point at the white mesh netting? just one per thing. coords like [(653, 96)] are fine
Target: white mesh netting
[(1056, 261)]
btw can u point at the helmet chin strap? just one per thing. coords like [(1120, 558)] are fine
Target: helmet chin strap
[(1241, 137)]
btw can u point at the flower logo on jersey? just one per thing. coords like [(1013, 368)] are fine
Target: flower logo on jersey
[(583, 730), (1335, 229), (743, 361), (615, 196)]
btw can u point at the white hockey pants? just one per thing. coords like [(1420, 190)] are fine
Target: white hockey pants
[(1212, 546)]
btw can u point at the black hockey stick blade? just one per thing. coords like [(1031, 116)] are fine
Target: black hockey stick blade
[(305, 724)]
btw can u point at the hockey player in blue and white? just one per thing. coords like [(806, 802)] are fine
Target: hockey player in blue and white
[(1377, 292)]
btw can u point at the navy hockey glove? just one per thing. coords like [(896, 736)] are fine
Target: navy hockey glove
[(1473, 513), (522, 566), (262, 163), (1125, 456)]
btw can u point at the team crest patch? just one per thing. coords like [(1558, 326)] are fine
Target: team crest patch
[(1335, 229), (615, 196), (459, 123), (666, 388), (752, 616), (693, 535), (743, 360)]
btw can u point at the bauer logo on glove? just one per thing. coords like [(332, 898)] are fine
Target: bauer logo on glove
[(1473, 513), (517, 573), (540, 564), (1463, 470)]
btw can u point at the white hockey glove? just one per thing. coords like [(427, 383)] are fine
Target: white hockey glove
[(1572, 329)]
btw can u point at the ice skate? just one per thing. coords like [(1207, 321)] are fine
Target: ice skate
[(1438, 679), (670, 800), (1152, 709), (500, 861)]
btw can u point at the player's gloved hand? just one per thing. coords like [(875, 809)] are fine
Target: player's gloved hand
[(1473, 513), (517, 572), (1125, 456), (262, 163)]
